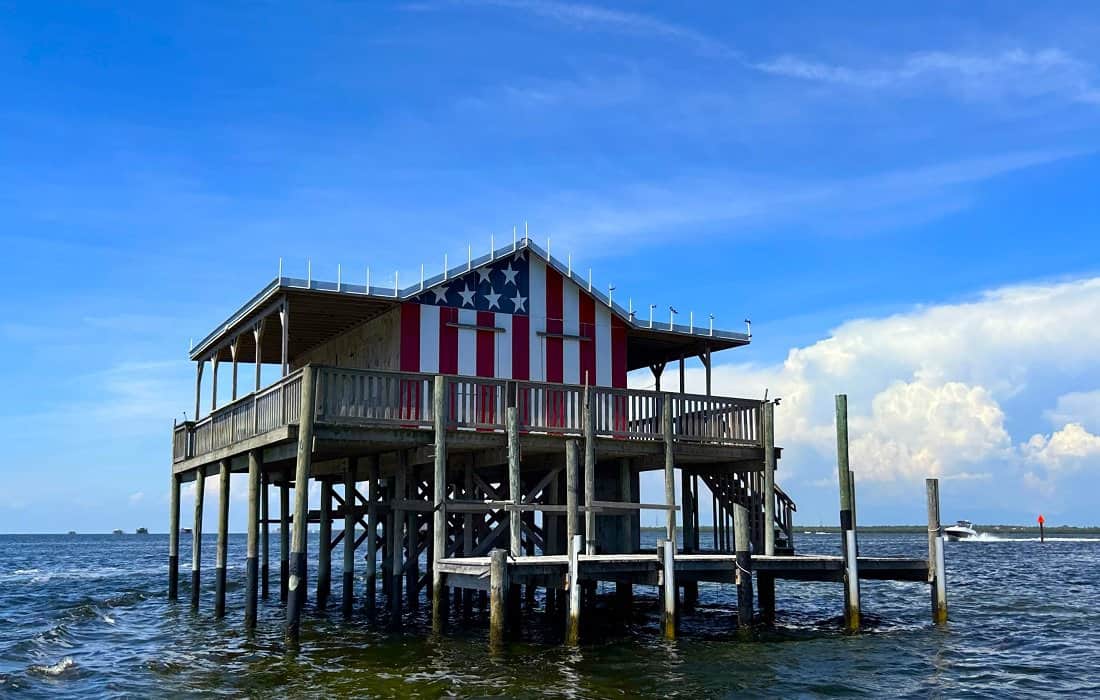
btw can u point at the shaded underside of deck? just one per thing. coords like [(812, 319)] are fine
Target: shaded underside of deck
[(643, 569)]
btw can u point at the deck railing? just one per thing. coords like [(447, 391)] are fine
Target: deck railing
[(404, 400)]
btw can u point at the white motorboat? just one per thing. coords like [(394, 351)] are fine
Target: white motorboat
[(961, 530)]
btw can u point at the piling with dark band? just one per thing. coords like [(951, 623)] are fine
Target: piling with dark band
[(439, 498), (296, 585), (573, 625), (324, 547), (498, 588), (174, 538), (284, 541), (847, 519), (196, 538), (265, 540), (667, 551), (743, 558), (670, 476), (936, 570), (223, 538), (251, 562)]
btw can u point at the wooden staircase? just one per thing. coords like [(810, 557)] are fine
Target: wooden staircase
[(747, 489)]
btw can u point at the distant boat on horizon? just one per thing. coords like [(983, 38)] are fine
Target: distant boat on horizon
[(117, 532), (186, 531), (72, 532), (142, 531)]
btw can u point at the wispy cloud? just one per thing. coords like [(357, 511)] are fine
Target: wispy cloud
[(1012, 72)]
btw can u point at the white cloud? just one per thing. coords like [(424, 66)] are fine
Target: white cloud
[(1081, 407), (136, 498), (927, 388)]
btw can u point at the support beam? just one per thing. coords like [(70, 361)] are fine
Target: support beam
[(769, 478), (251, 562), (324, 547), (847, 519), (284, 542), (257, 337), (439, 495), (347, 598), (372, 534), (691, 588), (223, 538), (572, 516), (573, 625), (284, 318), (196, 538), (743, 558), (198, 387), (515, 490), (683, 376), (174, 537), (499, 586), (937, 574), (668, 588), (265, 539), (234, 348), (214, 383), (670, 475), (296, 594), (590, 535)]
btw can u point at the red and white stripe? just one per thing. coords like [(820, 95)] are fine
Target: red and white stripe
[(567, 337)]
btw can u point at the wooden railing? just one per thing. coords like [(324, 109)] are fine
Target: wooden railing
[(404, 400)]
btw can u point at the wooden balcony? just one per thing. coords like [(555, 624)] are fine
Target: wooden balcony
[(403, 400)]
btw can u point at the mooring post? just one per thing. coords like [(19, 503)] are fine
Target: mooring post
[(573, 626), (571, 514), (937, 573), (324, 547), (296, 586), (670, 475), (251, 562), (589, 407), (347, 599), (265, 538), (174, 537), (743, 558), (439, 495), (196, 538), (498, 589), (284, 541), (769, 478), (847, 518), (372, 534), (668, 579), (223, 538)]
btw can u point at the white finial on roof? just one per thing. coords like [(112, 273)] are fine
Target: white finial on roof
[(748, 327), (671, 317), (548, 246), (526, 236), (610, 289), (337, 276), (590, 279), (712, 324), (492, 246), (368, 279), (422, 277), (280, 271), (396, 284), (309, 273), (570, 259), (651, 307), (691, 321)]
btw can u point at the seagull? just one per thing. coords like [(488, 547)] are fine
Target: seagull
[(467, 295), (494, 300), (519, 303), (510, 275)]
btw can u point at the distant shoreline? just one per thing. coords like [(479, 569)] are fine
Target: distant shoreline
[(915, 529)]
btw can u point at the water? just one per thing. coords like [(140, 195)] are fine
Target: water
[(85, 616)]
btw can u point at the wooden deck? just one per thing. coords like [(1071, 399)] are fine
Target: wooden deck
[(643, 569)]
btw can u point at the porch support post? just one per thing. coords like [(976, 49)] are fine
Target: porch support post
[(515, 490), (265, 537), (214, 383), (372, 534), (670, 475), (223, 538), (687, 498), (296, 593), (590, 535), (257, 336), (198, 387), (251, 563), (571, 514), (324, 547), (347, 599), (397, 539), (284, 317), (439, 496), (196, 538), (234, 347), (769, 478)]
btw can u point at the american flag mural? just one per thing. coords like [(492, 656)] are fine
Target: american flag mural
[(514, 318)]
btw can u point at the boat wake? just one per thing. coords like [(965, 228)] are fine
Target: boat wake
[(986, 537)]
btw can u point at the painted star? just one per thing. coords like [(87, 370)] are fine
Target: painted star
[(494, 300), (440, 295), (467, 295), (510, 275), (483, 275), (519, 303), (519, 255)]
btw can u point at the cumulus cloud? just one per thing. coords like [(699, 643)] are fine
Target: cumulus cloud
[(928, 388)]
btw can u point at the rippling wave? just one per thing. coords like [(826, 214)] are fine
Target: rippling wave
[(87, 616)]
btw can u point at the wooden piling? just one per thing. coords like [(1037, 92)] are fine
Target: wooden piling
[(589, 407), (626, 494), (937, 574), (670, 475), (668, 580), (515, 492), (468, 530), (742, 555), (251, 562), (573, 625), (847, 519), (265, 539), (498, 588), (439, 497), (296, 586), (324, 547), (372, 535), (571, 514), (397, 540), (196, 538), (174, 537), (769, 478), (284, 541), (412, 548), (223, 538), (687, 498), (347, 598)]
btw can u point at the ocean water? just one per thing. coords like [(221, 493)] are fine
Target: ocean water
[(87, 616)]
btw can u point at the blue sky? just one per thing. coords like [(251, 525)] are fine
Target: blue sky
[(903, 200)]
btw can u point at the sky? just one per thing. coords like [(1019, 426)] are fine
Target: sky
[(903, 200)]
